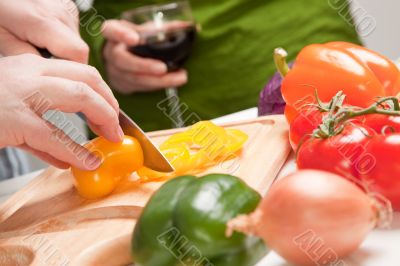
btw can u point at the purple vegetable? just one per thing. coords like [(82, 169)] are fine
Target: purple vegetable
[(271, 100)]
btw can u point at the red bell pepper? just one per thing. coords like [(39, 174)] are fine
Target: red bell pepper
[(362, 74)]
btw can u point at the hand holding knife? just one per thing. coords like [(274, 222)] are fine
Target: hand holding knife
[(153, 158)]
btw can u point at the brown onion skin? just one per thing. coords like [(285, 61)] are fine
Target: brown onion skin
[(338, 213)]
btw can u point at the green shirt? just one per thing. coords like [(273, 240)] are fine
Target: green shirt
[(232, 56)]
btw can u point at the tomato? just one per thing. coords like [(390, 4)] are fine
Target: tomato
[(306, 122), (303, 125), (360, 144), (119, 160), (338, 154), (381, 168), (383, 124), (361, 155)]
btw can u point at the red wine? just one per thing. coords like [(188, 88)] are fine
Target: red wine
[(172, 47)]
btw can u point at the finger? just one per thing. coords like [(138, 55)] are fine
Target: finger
[(11, 45), (126, 61), (148, 82), (45, 157), (126, 82), (120, 82), (70, 16), (72, 97), (82, 73), (44, 137), (61, 41), (120, 31), (95, 128)]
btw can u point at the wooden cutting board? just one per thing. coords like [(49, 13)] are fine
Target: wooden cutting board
[(48, 223)]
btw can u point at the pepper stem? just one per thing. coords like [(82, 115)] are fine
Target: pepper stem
[(281, 65), (246, 224)]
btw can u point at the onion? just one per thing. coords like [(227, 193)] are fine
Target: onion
[(312, 217)]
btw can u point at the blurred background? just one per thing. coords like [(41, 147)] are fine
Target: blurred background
[(376, 21), (385, 37)]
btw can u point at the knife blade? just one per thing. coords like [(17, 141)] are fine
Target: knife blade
[(153, 158)]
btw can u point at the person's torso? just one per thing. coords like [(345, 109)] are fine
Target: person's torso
[(232, 55)]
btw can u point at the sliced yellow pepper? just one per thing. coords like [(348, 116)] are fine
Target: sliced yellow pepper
[(235, 140), (202, 145)]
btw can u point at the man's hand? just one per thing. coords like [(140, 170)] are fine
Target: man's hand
[(32, 85), (49, 24), (129, 73)]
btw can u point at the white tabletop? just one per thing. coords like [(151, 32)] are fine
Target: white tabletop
[(381, 248)]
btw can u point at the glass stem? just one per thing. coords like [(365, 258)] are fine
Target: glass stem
[(175, 112)]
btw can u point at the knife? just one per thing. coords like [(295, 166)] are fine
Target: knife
[(153, 158)]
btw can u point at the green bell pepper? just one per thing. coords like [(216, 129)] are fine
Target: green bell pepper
[(184, 224)]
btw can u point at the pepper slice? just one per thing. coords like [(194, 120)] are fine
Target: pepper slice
[(177, 155), (201, 146), (235, 140)]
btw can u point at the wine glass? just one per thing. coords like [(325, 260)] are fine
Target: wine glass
[(167, 33)]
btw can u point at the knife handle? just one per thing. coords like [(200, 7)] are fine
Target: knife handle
[(44, 53)]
